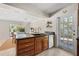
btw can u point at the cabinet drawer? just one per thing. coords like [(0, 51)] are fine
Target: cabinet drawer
[(21, 46), (28, 53), (25, 49), (25, 40)]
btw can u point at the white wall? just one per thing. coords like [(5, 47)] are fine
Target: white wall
[(42, 22)]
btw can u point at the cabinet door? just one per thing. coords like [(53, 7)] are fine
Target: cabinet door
[(45, 42), (25, 47), (38, 45)]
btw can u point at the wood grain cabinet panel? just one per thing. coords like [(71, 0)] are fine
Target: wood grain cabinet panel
[(22, 41), (45, 43), (31, 46), (25, 47), (38, 45)]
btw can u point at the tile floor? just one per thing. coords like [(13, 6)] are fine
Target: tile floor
[(49, 52), (55, 52)]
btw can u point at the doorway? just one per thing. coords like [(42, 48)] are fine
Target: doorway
[(66, 33)]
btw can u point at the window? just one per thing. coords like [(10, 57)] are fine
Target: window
[(16, 28)]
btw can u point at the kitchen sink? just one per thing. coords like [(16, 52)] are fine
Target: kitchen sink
[(39, 34)]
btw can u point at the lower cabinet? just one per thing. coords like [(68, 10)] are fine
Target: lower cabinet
[(25, 47), (31, 46), (41, 44), (38, 45), (45, 42)]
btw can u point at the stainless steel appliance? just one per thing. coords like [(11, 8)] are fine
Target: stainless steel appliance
[(51, 39)]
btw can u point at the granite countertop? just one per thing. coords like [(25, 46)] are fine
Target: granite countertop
[(23, 36)]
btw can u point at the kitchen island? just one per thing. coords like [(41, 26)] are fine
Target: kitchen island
[(31, 45)]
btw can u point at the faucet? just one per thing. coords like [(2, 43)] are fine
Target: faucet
[(39, 29)]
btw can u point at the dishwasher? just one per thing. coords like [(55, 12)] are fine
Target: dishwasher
[(51, 39)]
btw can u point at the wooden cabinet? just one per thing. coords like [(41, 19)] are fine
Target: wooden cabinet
[(45, 43), (31, 46), (25, 47), (41, 44), (38, 45)]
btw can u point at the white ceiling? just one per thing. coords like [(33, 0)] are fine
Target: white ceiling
[(47, 8), (50, 7)]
